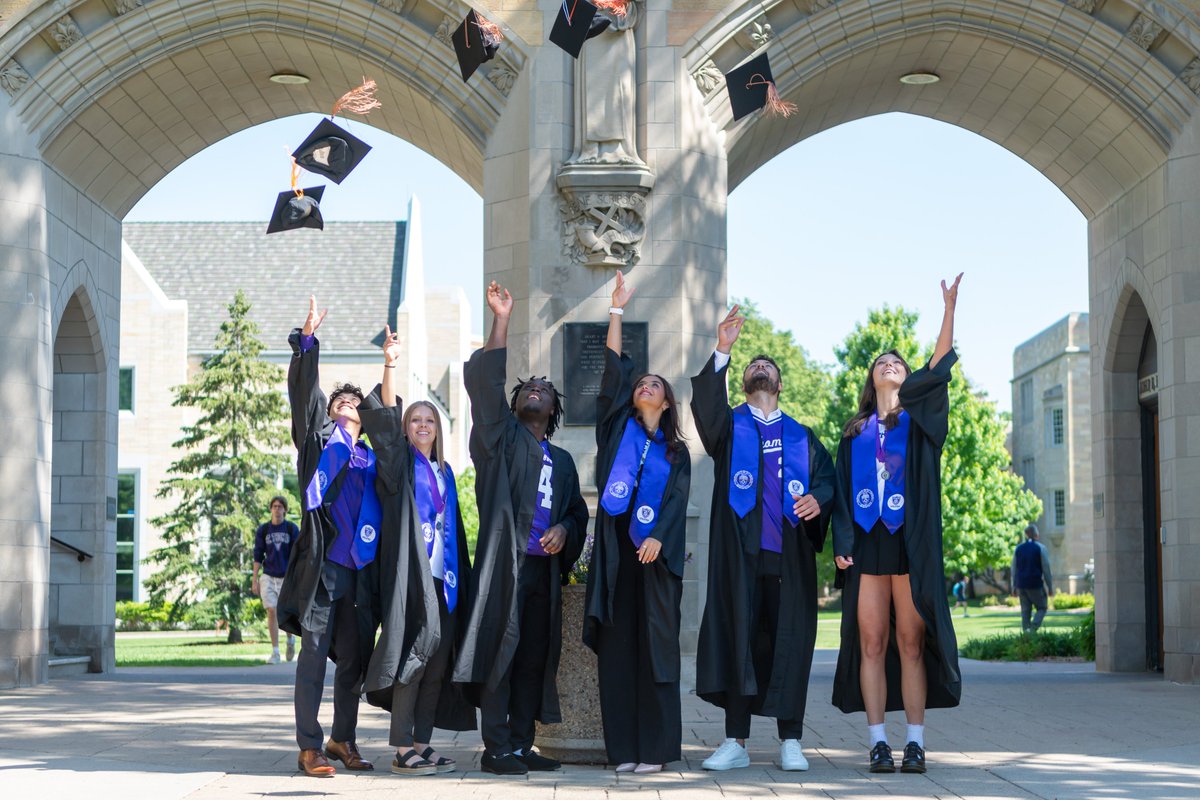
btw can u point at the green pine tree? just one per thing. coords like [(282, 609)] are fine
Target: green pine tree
[(223, 479)]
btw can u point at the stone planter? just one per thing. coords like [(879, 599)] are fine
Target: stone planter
[(579, 738)]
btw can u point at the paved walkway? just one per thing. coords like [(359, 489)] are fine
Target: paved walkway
[(1023, 731)]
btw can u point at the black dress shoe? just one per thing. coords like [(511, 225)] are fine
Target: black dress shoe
[(539, 763), (506, 764), (914, 758), (881, 758)]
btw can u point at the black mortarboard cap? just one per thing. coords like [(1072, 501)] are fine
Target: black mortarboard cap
[(469, 45), (292, 211), (332, 151), (751, 87), (573, 25)]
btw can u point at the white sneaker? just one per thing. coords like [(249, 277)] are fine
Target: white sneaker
[(791, 757), (274, 659), (627, 766), (730, 755)]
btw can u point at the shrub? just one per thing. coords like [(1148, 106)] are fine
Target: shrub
[(1023, 646), (1085, 636), (992, 600), (133, 616), (1064, 601)]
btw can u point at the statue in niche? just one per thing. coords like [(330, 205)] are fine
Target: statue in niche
[(606, 90)]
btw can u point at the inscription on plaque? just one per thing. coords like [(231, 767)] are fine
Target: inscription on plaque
[(583, 357)]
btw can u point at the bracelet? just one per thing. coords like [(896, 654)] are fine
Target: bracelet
[(389, 366), (614, 310)]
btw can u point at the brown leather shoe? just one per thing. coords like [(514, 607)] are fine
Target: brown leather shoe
[(314, 763), (347, 753)]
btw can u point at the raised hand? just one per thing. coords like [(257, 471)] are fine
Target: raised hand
[(499, 300), (391, 345), (315, 318), (950, 294), (729, 330), (622, 293)]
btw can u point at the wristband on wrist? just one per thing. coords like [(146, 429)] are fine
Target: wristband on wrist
[(614, 310)]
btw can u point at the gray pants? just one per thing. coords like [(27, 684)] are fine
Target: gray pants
[(414, 706), (1030, 599), (339, 635)]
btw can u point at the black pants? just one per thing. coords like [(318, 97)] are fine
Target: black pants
[(414, 705), (339, 635), (507, 714), (764, 618), (641, 717)]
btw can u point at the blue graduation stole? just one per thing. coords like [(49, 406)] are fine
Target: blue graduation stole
[(747, 452), (637, 450), (430, 503), (865, 452), (334, 457)]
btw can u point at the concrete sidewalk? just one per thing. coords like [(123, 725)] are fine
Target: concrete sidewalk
[(1023, 731)]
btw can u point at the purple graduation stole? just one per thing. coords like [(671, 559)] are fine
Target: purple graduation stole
[(865, 452), (334, 457), (638, 450), (430, 503), (747, 452)]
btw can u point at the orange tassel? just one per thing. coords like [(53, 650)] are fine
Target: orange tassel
[(618, 8), (296, 177), (776, 105), (489, 31), (359, 100)]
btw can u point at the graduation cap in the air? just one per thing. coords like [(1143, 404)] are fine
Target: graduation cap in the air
[(751, 87), (475, 41), (297, 209), (331, 150), (575, 23)]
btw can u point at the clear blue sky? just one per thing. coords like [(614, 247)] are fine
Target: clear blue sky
[(872, 212)]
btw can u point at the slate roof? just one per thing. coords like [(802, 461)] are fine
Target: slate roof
[(354, 268)]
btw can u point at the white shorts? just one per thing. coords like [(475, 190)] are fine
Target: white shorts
[(269, 587)]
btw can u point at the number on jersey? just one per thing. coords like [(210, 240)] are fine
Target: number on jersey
[(545, 491)]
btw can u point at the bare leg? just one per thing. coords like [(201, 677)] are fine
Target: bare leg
[(273, 626), (910, 639), (874, 623)]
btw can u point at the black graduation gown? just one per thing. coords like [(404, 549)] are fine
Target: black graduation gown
[(924, 395), (663, 579), (725, 653), (311, 428), (407, 607), (508, 466)]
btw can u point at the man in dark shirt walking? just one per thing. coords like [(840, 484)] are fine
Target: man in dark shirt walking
[(272, 546), (1031, 579)]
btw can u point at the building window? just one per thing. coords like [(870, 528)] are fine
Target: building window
[(1027, 401), (1060, 508), (125, 389), (1027, 473), (126, 535), (1055, 433)]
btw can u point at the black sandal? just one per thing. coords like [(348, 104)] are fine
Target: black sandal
[(442, 764), (410, 763)]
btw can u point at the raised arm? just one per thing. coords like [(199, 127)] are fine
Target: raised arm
[(304, 388), (945, 340), (501, 304), (620, 297), (615, 384), (391, 354), (710, 389)]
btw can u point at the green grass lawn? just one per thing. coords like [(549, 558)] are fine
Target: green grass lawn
[(193, 650), (981, 624)]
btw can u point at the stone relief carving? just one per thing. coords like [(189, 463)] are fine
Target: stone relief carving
[(502, 76), (604, 228), (396, 6), (444, 31), (13, 77), (125, 6), (1191, 75), (819, 5), (1086, 6), (709, 77), (65, 32), (760, 33), (1144, 31)]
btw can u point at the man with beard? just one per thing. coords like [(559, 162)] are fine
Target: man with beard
[(532, 523), (771, 503)]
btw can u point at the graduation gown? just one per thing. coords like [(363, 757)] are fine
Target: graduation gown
[(405, 595), (725, 653), (508, 466), (311, 428), (924, 395), (663, 579)]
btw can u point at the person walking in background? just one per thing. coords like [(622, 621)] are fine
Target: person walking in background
[(959, 590), (272, 546), (1031, 579)]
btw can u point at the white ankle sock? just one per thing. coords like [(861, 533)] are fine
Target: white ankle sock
[(916, 733), (876, 734), (275, 650)]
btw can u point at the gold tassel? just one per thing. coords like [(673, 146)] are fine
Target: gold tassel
[(618, 8), (776, 105), (488, 31), (359, 100)]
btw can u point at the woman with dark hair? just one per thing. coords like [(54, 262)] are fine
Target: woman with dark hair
[(898, 648), (635, 577)]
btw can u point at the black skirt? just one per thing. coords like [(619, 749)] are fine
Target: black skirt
[(880, 552)]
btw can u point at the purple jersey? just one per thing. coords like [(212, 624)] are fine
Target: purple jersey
[(346, 507), (541, 508), (771, 434)]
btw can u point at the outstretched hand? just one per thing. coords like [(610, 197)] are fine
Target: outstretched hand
[(622, 293), (315, 318), (729, 330), (499, 300), (950, 294), (391, 345)]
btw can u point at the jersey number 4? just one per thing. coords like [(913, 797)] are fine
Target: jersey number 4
[(545, 491)]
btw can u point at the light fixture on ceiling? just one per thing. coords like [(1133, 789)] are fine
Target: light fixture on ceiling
[(289, 78), (919, 78)]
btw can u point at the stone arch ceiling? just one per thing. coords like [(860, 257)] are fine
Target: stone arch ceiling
[(1090, 92), (119, 92)]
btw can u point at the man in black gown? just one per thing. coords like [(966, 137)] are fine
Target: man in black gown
[(771, 501), (532, 524)]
